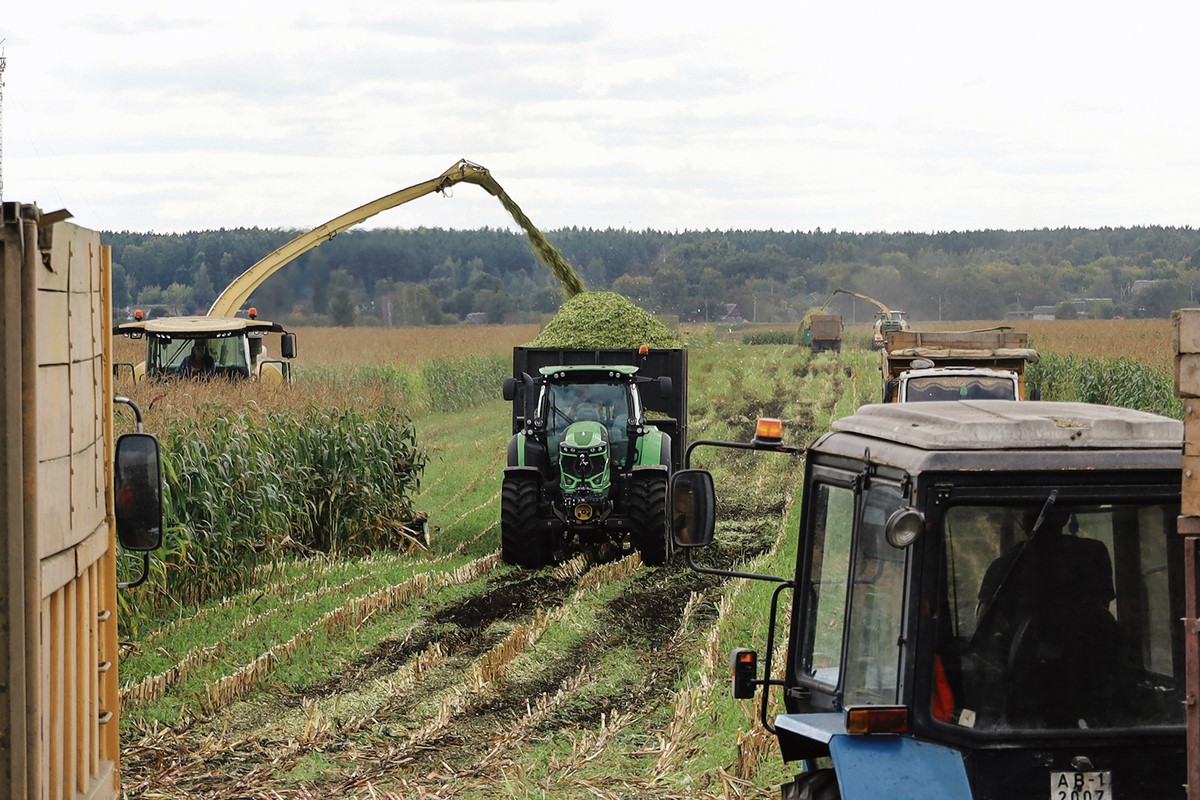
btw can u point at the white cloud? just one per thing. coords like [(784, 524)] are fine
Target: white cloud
[(858, 116)]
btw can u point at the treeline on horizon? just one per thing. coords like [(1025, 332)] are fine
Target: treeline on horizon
[(424, 276)]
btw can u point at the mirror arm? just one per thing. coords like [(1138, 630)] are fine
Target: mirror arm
[(137, 412), (726, 573), (767, 682), (142, 578)]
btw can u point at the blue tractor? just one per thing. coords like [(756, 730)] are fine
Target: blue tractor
[(986, 604)]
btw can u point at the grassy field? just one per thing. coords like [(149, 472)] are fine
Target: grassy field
[(436, 670)]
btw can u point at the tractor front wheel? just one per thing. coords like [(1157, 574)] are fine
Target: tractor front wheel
[(648, 514), (521, 542)]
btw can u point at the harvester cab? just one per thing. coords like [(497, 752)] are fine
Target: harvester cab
[(985, 604), (588, 463), (206, 347)]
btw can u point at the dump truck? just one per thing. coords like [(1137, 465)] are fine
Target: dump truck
[(72, 490), (886, 320), (823, 332), (987, 364), (985, 603), (596, 435)]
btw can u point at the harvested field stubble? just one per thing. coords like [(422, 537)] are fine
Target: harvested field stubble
[(584, 680)]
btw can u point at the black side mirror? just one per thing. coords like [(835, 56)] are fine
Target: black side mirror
[(287, 345), (665, 387), (693, 504), (138, 486), (510, 389), (889, 390)]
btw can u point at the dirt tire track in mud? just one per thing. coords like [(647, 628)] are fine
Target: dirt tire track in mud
[(642, 619)]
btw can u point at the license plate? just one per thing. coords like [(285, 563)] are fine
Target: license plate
[(1081, 786)]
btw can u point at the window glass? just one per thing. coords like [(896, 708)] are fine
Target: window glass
[(606, 403), (959, 387), (1072, 626), (833, 523), (876, 605)]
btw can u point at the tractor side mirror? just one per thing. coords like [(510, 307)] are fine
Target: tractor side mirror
[(138, 487), (287, 345), (510, 389), (693, 504), (665, 387)]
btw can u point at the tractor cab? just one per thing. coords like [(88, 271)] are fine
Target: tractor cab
[(575, 395), (985, 604)]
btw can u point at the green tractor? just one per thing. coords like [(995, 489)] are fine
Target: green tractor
[(593, 447)]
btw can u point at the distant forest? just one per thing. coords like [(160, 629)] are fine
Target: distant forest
[(436, 276)]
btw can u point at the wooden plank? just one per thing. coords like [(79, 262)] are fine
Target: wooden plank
[(53, 332), (57, 571), (1185, 330), (56, 754), (1190, 499), (1187, 375), (103, 785), (85, 623), (958, 340), (1191, 427), (44, 715), (54, 430), (70, 703), (81, 248)]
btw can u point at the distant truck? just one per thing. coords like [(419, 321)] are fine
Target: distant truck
[(921, 366), (823, 332), (596, 435)]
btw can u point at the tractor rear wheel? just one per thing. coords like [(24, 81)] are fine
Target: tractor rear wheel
[(819, 784), (647, 500), (521, 542)]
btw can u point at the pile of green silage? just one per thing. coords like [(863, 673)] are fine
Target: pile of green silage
[(604, 320)]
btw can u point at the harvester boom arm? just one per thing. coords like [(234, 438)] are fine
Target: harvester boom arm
[(240, 289), (886, 311)]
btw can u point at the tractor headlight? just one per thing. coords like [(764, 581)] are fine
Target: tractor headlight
[(903, 527)]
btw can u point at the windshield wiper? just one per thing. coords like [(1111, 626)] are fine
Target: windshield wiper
[(1012, 565)]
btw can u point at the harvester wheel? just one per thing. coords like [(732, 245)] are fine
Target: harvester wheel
[(521, 543), (819, 784), (648, 513)]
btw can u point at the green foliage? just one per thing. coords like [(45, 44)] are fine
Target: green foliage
[(1109, 381), (1065, 310), (774, 275), (244, 489), (769, 337)]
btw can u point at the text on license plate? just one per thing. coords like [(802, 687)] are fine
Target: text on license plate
[(1081, 786)]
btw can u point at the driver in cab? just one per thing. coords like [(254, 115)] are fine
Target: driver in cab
[(200, 363)]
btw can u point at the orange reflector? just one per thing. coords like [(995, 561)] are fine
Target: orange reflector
[(877, 719), (583, 512), (138, 314), (643, 349), (768, 431), (252, 313)]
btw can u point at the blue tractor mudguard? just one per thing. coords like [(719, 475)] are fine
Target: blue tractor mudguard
[(910, 769)]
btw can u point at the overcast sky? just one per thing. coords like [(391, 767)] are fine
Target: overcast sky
[(861, 116)]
